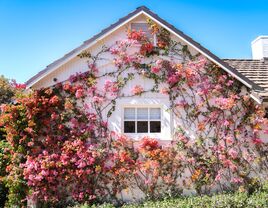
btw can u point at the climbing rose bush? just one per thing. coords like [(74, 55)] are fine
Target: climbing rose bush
[(62, 150)]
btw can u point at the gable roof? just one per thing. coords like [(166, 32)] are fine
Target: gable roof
[(144, 10)]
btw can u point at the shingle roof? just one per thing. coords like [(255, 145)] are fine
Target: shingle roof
[(255, 70)]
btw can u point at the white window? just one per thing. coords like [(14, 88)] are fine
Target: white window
[(144, 27), (142, 120)]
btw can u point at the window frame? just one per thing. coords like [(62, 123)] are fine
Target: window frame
[(136, 119)]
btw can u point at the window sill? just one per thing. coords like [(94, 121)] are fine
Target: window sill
[(139, 136)]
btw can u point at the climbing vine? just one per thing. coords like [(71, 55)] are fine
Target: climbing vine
[(62, 149)]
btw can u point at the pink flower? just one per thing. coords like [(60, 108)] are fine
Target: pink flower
[(265, 131), (54, 100), (81, 164), (107, 84), (225, 103), (155, 69), (54, 116), (233, 153), (39, 178), (226, 123), (74, 123), (79, 93), (237, 180), (136, 35), (110, 86), (191, 160), (30, 144), (114, 51), (222, 78), (137, 90), (98, 99), (81, 195), (229, 140), (29, 130), (149, 144), (18, 85), (218, 87), (183, 138), (118, 62), (3, 107), (173, 79), (147, 181), (230, 82), (159, 63), (44, 172), (67, 86), (164, 91), (218, 176), (222, 157), (257, 141)]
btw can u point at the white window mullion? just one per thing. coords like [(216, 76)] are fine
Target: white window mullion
[(135, 120), (155, 40), (149, 111)]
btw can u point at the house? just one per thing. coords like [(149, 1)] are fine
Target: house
[(252, 73)]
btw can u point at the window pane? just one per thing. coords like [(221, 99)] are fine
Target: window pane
[(144, 27), (129, 113), (142, 127), (142, 113), (155, 113), (155, 126), (129, 126)]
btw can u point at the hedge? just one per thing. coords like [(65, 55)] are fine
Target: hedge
[(233, 200)]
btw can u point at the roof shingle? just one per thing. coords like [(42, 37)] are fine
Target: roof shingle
[(255, 70)]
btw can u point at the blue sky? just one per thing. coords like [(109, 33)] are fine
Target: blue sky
[(34, 33)]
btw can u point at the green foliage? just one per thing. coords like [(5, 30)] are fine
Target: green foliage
[(229, 200), (4, 159), (7, 91)]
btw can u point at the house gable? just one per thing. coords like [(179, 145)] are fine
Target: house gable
[(39, 79)]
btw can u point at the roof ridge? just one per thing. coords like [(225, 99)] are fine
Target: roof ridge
[(142, 8)]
